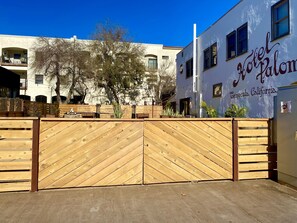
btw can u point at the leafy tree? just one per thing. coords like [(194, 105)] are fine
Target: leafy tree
[(78, 70), (161, 82), (49, 59), (65, 62), (118, 64)]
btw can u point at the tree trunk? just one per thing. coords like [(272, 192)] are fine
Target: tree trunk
[(58, 85), (115, 96)]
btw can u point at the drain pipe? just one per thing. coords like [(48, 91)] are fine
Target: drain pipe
[(194, 61), (195, 76), (197, 85)]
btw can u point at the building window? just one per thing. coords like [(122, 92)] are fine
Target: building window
[(280, 19), (189, 68), (38, 79), (152, 64), (210, 56), (41, 98), (165, 57), (207, 58), (242, 39), (214, 56), (23, 84), (237, 42), (231, 45), (17, 56), (217, 90)]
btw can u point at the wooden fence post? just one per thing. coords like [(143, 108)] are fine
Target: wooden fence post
[(235, 149), (35, 155)]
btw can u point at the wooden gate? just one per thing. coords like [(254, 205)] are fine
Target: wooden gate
[(79, 153), (65, 153), (187, 150)]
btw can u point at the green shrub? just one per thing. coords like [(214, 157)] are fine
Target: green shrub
[(235, 111), (117, 110), (168, 111), (210, 111)]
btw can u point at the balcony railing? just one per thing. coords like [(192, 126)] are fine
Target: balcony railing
[(7, 61)]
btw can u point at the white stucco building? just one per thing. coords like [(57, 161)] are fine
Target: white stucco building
[(17, 55), (241, 59)]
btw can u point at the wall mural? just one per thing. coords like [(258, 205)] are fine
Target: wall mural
[(265, 59)]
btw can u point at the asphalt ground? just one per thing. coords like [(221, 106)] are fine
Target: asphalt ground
[(244, 201)]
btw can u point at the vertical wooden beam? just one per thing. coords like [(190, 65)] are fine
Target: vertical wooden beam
[(35, 155), (272, 148), (133, 112), (153, 108), (98, 106), (271, 132), (235, 149), (143, 148)]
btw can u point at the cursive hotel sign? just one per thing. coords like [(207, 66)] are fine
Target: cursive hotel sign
[(265, 60)]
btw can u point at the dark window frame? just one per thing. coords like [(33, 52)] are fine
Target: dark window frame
[(37, 80), (165, 57), (207, 58), (240, 49), (210, 56), (274, 22), (228, 47), (41, 98), (154, 65), (214, 56), (189, 68)]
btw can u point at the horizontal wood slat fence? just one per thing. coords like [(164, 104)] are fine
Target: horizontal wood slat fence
[(256, 154), (15, 107), (106, 111), (16, 154), (64, 153)]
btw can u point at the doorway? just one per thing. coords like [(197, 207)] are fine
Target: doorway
[(185, 106)]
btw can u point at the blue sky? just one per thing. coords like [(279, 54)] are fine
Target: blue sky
[(168, 22)]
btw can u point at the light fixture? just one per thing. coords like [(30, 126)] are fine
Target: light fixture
[(181, 69)]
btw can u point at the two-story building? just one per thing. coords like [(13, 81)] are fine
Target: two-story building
[(17, 55), (241, 59)]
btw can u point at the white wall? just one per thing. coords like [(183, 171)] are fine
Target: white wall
[(258, 16), (47, 88), (184, 85)]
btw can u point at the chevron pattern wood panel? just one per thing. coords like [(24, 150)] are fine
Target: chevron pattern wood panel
[(90, 153), (177, 151)]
